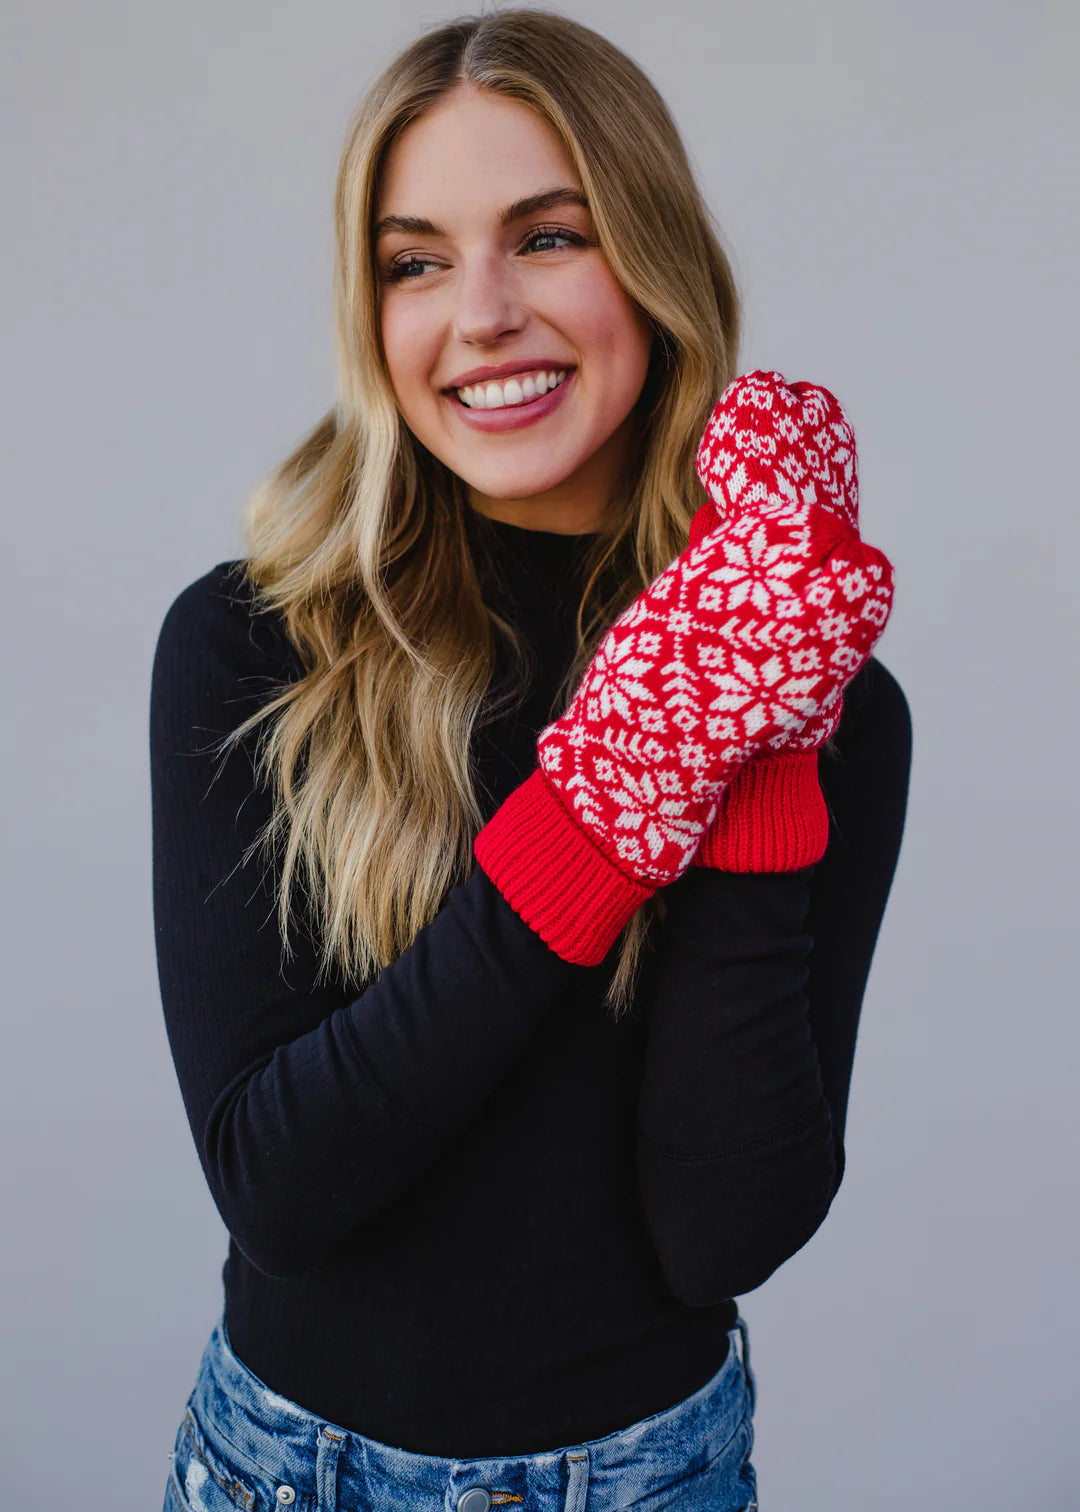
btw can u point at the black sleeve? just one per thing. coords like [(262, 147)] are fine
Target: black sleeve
[(754, 992), (311, 1109), (865, 782)]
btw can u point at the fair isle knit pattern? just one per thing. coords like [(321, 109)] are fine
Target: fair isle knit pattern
[(770, 443), (731, 650), (746, 639), (773, 816), (767, 443)]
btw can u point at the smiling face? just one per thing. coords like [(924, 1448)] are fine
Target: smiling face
[(475, 290)]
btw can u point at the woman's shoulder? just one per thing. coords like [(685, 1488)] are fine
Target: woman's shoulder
[(214, 624), (217, 658)]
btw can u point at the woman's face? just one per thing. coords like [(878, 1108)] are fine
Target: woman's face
[(531, 293)]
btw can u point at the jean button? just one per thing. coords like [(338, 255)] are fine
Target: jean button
[(476, 1499), (285, 1495)]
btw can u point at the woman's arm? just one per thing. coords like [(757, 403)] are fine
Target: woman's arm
[(311, 1109), (735, 1147), (865, 782), (754, 995)]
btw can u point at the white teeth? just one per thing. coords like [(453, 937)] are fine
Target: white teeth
[(514, 391)]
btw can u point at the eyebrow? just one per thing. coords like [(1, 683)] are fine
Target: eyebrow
[(547, 199)]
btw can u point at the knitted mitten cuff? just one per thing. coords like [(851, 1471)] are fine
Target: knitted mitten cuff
[(553, 876), (772, 817)]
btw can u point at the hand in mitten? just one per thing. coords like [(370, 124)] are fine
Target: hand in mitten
[(736, 643), (768, 442)]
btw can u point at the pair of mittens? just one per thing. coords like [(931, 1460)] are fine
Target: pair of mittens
[(737, 652)]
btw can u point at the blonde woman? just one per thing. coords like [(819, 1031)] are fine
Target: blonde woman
[(501, 794)]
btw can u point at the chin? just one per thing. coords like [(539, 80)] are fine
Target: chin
[(512, 489), (513, 481)]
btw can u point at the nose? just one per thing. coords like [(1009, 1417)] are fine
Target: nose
[(487, 303)]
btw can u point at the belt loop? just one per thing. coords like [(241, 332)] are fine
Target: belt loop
[(578, 1481), (751, 1379), (326, 1460)]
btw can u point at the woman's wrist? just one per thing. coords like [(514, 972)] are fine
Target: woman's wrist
[(554, 875), (772, 817)]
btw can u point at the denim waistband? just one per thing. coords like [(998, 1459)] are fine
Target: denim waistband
[(271, 1452)]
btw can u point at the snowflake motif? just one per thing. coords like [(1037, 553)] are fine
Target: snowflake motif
[(693, 755), (795, 467), (821, 590), (755, 443), (721, 727), (654, 720), (845, 659), (876, 610), (789, 634), (764, 435), (854, 583), (713, 656), (740, 687), (670, 781), (686, 718), (835, 626), (756, 572), (622, 693), (808, 660)]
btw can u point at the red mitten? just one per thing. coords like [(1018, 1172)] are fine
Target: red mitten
[(739, 641), (766, 442)]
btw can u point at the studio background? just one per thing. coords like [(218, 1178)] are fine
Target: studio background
[(896, 187)]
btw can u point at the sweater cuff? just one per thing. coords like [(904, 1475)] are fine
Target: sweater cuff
[(772, 817), (554, 876)]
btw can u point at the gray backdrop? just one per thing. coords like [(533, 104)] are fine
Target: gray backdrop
[(897, 185)]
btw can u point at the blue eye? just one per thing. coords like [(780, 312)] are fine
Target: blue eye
[(396, 271)]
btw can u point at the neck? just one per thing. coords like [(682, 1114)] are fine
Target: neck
[(523, 516)]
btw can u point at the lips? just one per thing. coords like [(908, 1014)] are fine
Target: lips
[(511, 417), (522, 404)]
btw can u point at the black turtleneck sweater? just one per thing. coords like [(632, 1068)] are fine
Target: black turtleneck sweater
[(470, 1213)]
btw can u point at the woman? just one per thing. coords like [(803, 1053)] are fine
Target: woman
[(507, 1063)]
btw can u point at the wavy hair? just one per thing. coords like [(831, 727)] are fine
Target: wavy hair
[(357, 540)]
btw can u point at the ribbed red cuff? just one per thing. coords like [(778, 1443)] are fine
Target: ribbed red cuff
[(553, 875), (772, 817)]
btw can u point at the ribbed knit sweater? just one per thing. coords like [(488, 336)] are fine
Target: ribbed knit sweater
[(469, 1212)]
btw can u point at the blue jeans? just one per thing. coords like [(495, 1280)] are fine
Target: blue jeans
[(240, 1445)]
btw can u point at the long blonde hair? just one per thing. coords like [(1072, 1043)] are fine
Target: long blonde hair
[(357, 540)]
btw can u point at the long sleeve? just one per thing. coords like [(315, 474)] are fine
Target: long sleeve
[(312, 1109), (734, 1135), (865, 783), (754, 991)]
